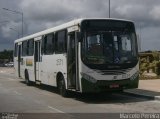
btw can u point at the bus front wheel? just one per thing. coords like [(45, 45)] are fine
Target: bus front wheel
[(62, 87)]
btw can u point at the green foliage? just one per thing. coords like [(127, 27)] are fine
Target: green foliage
[(143, 60), (152, 64), (156, 55), (6, 54)]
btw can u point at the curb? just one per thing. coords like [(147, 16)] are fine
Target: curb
[(157, 98), (149, 97)]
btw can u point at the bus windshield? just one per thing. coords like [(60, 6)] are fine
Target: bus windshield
[(110, 46)]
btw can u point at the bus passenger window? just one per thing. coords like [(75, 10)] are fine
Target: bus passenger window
[(30, 47), (49, 44), (24, 48), (15, 49), (42, 46), (61, 42)]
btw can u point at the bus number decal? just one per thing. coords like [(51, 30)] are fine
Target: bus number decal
[(59, 62)]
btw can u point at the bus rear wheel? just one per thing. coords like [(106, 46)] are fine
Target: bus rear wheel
[(62, 87)]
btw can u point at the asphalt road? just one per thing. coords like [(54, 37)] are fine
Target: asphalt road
[(16, 97)]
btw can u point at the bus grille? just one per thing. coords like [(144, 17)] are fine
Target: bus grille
[(113, 72)]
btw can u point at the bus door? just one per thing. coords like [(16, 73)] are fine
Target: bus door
[(37, 61), (72, 65), (19, 59)]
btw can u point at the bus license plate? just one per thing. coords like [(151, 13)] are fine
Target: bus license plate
[(114, 86)]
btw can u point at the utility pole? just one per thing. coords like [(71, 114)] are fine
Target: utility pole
[(109, 8)]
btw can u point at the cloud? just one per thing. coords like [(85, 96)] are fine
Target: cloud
[(42, 14), (8, 29), (150, 38), (50, 13), (130, 11), (53, 10), (155, 13)]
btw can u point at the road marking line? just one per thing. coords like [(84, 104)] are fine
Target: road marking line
[(17, 93), (55, 109)]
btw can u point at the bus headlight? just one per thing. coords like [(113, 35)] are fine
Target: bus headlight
[(93, 80), (89, 78)]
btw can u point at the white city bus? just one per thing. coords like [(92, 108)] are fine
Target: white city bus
[(84, 55)]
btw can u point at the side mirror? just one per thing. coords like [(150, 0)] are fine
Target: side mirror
[(79, 36)]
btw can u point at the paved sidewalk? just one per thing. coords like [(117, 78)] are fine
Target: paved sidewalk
[(147, 88), (152, 85), (7, 70)]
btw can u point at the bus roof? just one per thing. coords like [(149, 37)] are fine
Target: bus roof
[(63, 26)]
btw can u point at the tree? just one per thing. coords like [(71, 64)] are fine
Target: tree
[(6, 54)]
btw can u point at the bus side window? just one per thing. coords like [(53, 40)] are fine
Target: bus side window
[(42, 45), (49, 44), (47, 47), (30, 47), (61, 42), (15, 49), (24, 48)]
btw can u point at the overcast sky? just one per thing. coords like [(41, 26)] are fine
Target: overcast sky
[(42, 14)]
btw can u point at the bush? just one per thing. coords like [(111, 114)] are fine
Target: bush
[(144, 67), (156, 55), (153, 63)]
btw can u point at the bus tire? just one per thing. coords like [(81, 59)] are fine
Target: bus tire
[(62, 87), (27, 81)]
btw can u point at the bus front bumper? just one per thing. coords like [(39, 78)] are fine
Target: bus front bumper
[(108, 86)]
